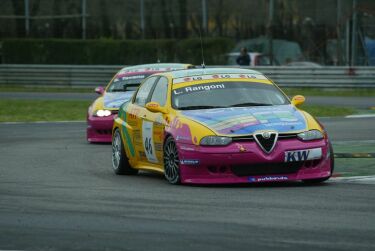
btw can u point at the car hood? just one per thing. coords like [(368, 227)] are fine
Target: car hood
[(247, 120), (113, 100)]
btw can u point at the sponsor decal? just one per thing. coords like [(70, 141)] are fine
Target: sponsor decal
[(179, 138), (134, 77), (133, 113), (218, 76), (198, 88), (268, 178), (140, 77), (153, 105), (190, 162), (248, 76), (187, 148), (302, 155), (241, 148), (147, 69)]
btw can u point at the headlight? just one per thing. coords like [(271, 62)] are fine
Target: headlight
[(102, 113), (310, 135), (215, 141)]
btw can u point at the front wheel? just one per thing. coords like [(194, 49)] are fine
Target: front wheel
[(120, 162), (171, 162)]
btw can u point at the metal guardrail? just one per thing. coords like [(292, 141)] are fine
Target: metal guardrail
[(57, 75), (96, 75)]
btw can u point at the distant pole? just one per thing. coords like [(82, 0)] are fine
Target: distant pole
[(27, 17), (142, 7), (354, 33), (347, 43), (270, 29), (84, 12), (338, 30), (204, 16)]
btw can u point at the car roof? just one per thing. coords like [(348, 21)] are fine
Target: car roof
[(154, 67), (209, 71)]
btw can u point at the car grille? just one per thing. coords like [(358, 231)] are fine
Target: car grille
[(266, 168), (273, 168), (104, 132)]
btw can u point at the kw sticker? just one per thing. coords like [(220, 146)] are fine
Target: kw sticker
[(302, 155)]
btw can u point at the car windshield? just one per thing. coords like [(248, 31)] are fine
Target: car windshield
[(123, 84), (226, 94)]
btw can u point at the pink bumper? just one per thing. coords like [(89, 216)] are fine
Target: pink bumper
[(99, 129), (245, 162)]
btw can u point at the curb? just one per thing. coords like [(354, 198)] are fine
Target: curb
[(354, 155), (355, 179)]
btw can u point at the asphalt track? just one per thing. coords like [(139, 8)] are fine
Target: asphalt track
[(58, 192), (357, 102)]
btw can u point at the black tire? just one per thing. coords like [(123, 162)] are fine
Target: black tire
[(171, 161), (320, 180), (120, 162)]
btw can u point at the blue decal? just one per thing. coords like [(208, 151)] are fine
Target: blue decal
[(191, 162), (247, 120), (268, 178), (116, 99), (252, 179)]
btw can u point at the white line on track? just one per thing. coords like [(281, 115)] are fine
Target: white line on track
[(355, 179), (360, 116)]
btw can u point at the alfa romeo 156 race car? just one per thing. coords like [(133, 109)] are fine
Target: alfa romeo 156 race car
[(101, 112), (219, 125)]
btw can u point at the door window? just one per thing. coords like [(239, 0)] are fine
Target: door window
[(160, 92), (144, 91)]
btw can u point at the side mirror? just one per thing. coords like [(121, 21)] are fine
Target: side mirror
[(99, 90), (298, 100), (155, 107)]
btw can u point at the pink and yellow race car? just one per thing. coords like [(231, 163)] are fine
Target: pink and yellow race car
[(102, 111), (219, 125)]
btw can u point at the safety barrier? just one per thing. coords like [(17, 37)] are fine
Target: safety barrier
[(95, 75)]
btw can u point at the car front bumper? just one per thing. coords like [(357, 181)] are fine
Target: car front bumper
[(245, 162), (99, 129)]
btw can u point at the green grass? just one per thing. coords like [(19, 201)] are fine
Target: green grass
[(42, 110), (327, 111), (54, 110), (355, 167), (342, 92), (21, 88)]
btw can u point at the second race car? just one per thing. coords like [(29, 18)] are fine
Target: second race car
[(102, 111)]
